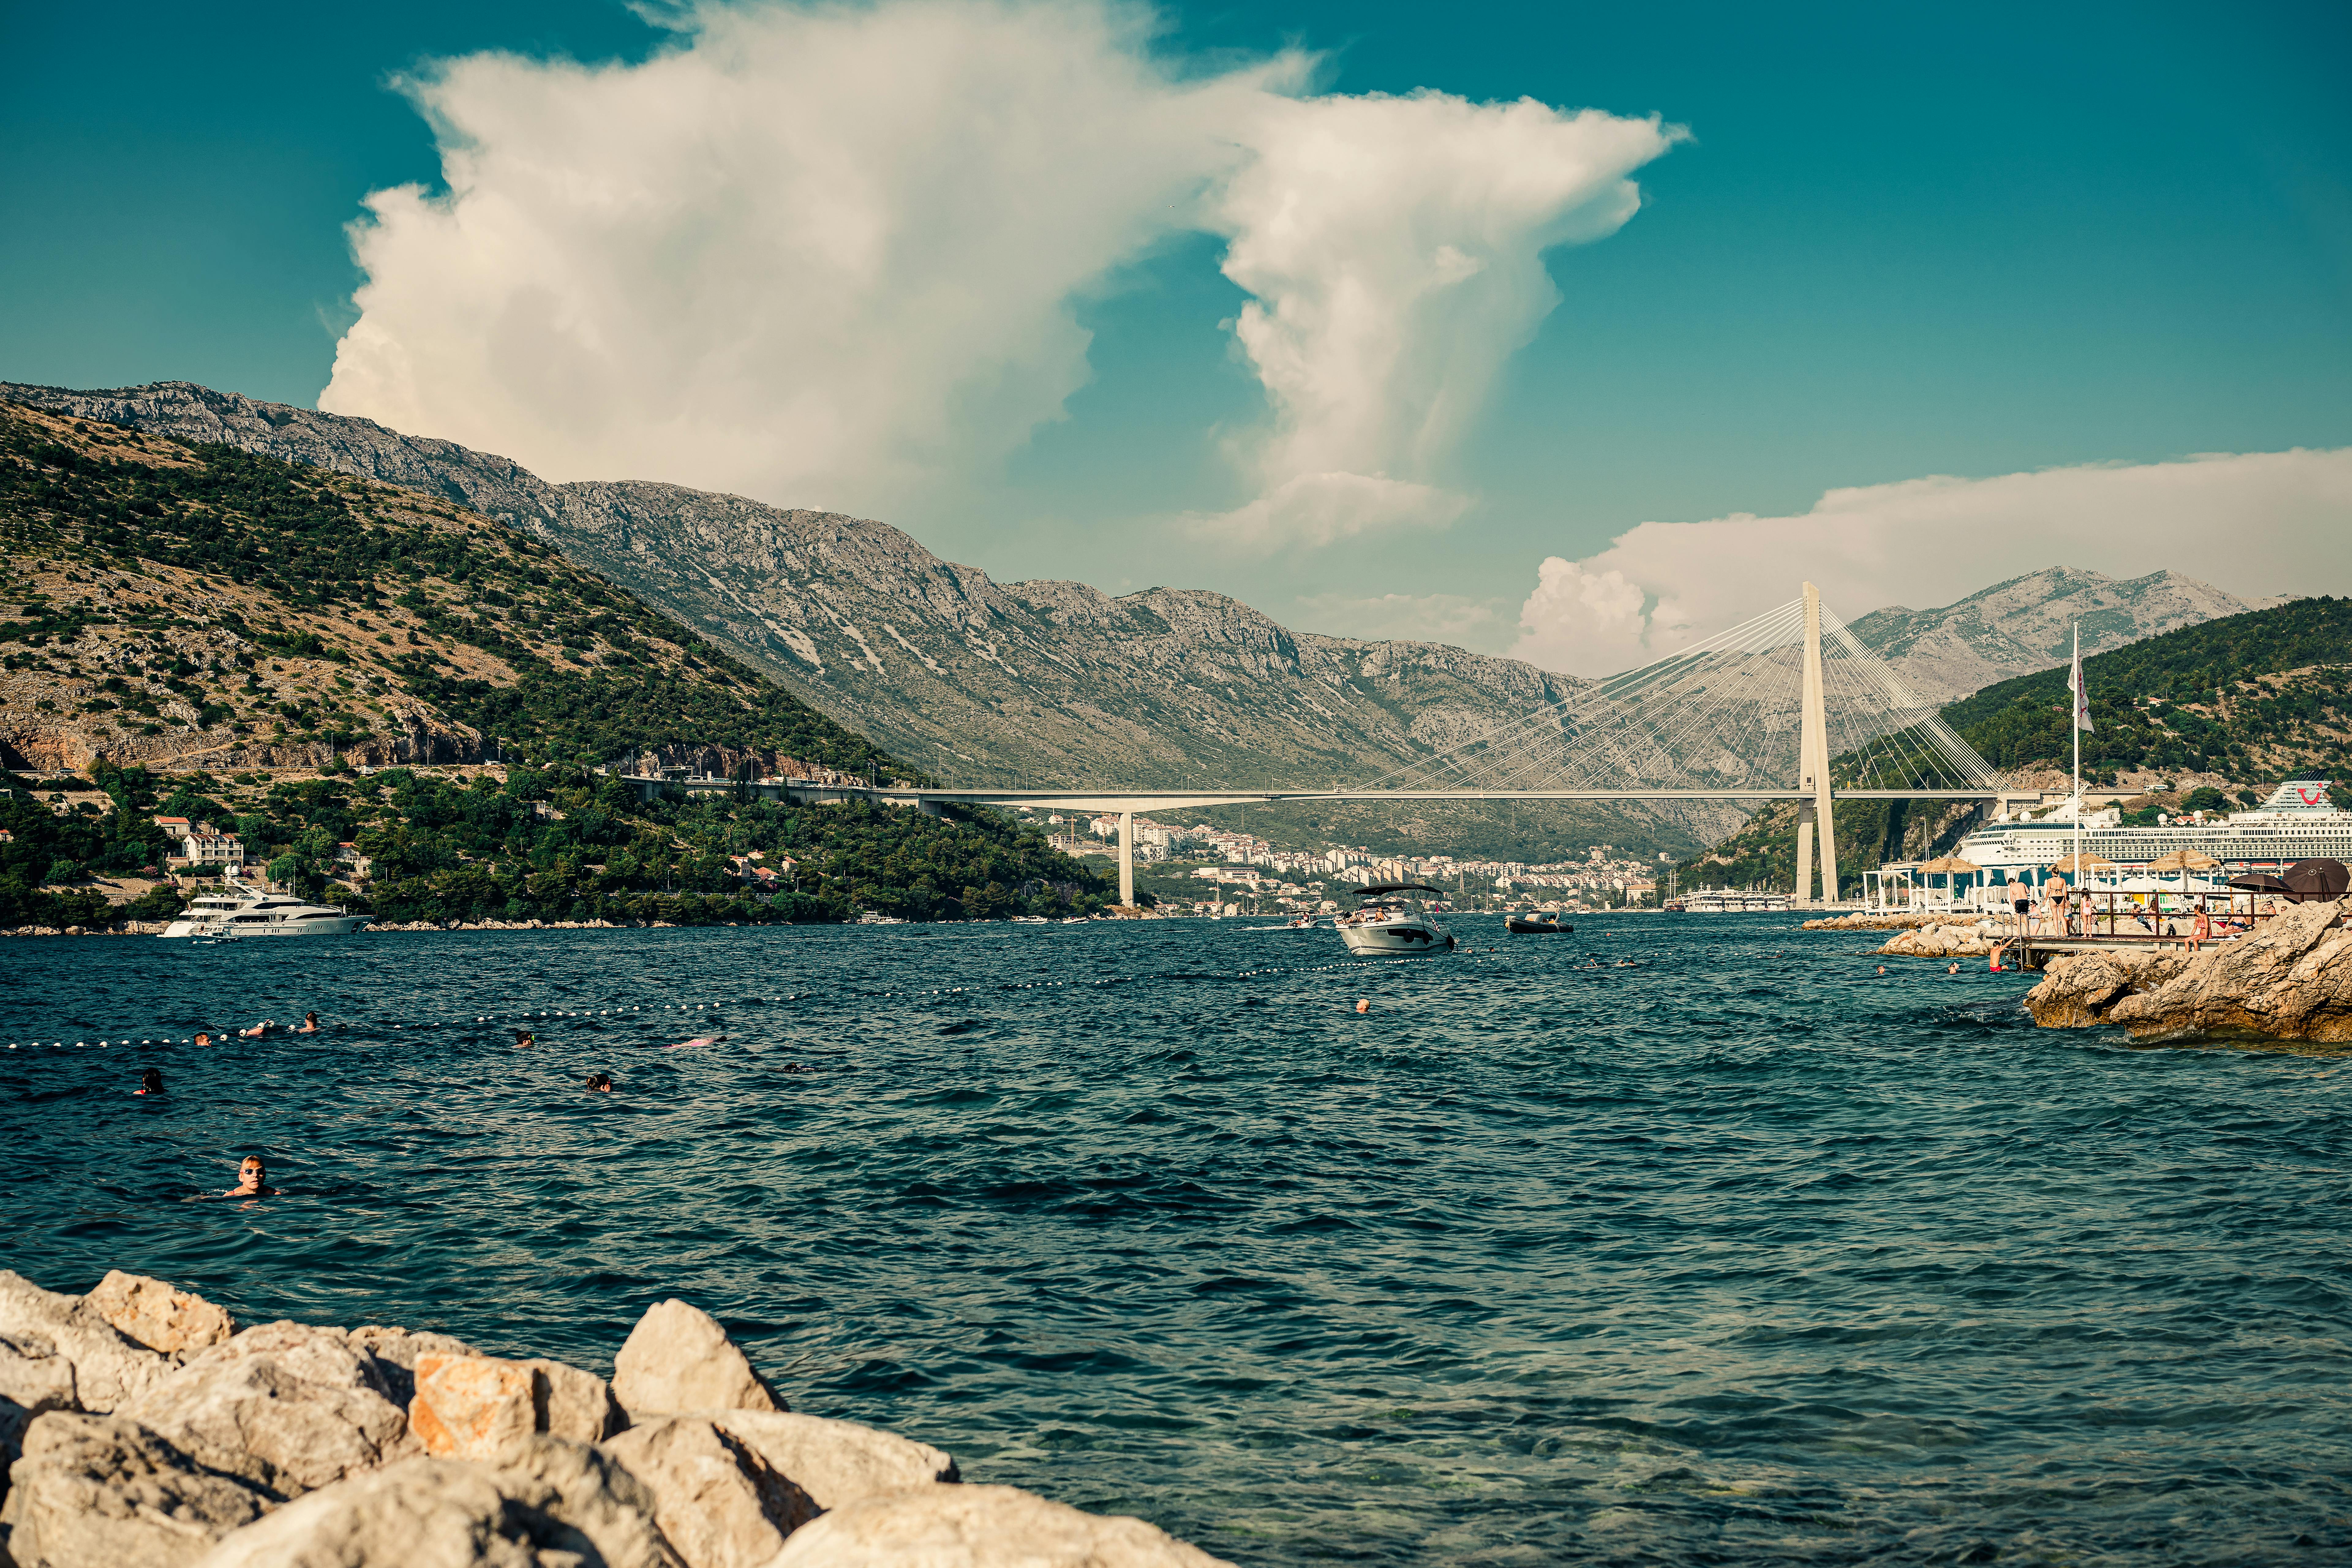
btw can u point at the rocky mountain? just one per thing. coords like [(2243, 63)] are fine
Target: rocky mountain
[(971, 680), (2027, 624)]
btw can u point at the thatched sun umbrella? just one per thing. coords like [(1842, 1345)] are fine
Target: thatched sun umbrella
[(2183, 861), (2075, 865)]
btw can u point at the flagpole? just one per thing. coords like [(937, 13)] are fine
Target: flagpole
[(2075, 723)]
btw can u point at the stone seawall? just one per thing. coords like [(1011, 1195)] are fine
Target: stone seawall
[(141, 1428)]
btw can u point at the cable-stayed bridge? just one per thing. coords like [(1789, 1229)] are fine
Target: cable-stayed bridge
[(1786, 706)]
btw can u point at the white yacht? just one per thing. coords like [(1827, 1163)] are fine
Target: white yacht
[(1385, 923), (249, 911), (2296, 823)]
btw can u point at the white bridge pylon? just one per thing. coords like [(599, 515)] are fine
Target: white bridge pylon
[(1786, 706)]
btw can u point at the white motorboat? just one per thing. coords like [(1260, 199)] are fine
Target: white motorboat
[(249, 911), (1385, 923)]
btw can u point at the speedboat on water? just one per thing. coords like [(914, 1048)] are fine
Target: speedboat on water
[(1384, 922), (249, 911), (1541, 922)]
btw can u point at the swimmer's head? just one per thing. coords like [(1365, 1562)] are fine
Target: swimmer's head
[(150, 1082), (252, 1171), (600, 1083), (1363, 1004), (204, 1036), (309, 1018)]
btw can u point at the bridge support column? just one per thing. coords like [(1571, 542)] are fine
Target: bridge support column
[(1805, 893), (1127, 858), (1814, 754)]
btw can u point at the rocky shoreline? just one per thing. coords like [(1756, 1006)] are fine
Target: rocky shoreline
[(2292, 980), (141, 1428)]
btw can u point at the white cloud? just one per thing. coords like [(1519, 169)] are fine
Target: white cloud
[(1393, 250), (822, 255), (2255, 523), (826, 255)]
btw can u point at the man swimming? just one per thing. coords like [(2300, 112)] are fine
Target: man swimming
[(204, 1036), (258, 1030), (149, 1082), (600, 1083), (309, 1023), (252, 1180), (525, 1039)]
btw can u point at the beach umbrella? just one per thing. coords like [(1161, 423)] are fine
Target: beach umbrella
[(2260, 882), (2183, 860), (2075, 865), (1950, 863), (2312, 880)]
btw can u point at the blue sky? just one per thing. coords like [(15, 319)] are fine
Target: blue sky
[(1896, 244)]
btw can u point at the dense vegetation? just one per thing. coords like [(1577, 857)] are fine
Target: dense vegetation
[(363, 580), (547, 844), (2268, 692)]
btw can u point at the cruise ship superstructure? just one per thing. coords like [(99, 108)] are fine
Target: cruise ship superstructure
[(2296, 823)]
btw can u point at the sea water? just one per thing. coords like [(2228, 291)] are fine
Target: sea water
[(1743, 1253)]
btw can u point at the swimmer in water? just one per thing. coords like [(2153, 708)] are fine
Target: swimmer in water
[(309, 1023), (1881, 969), (258, 1030), (600, 1083), (1363, 1004), (252, 1180), (149, 1082), (525, 1039), (1955, 969), (204, 1036)]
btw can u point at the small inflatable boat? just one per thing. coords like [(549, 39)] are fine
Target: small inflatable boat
[(1537, 925)]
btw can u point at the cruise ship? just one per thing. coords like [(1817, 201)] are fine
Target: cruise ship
[(2296, 823), (1727, 901), (249, 911)]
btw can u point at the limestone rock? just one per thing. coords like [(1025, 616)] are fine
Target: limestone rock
[(677, 1358), (33, 1375), (13, 1419), (561, 1506), (107, 1368), (570, 1402), (2076, 991), (717, 1501), (471, 1407), (2291, 980), (300, 1399), (981, 1527), (102, 1491), (1947, 939), (481, 1407), (835, 1462), (157, 1315), (396, 1351)]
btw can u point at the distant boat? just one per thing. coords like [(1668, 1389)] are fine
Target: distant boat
[(1385, 922), (1727, 901), (249, 911), (876, 918), (1538, 923)]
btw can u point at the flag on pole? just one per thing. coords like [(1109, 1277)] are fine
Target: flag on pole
[(2081, 694)]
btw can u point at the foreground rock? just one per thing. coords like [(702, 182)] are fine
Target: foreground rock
[(286, 1446), (836, 1462), (58, 1352), (300, 1400), (559, 1505), (718, 1500), (2290, 981), (981, 1527), (158, 1316), (678, 1359), (102, 1491), (1873, 920)]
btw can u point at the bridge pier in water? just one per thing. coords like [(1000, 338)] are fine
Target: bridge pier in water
[(1127, 858)]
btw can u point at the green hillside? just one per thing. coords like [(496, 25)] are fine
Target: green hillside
[(204, 633)]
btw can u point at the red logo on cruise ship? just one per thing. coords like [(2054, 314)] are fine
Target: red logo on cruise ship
[(2310, 796)]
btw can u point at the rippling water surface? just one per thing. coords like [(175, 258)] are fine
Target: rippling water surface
[(1744, 1254)]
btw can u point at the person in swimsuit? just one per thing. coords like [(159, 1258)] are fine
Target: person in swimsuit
[(204, 1036), (600, 1083), (309, 1023), (525, 1039), (258, 1030), (252, 1180), (149, 1082)]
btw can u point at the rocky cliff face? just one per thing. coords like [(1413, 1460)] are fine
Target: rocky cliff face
[(2027, 624), (976, 680)]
